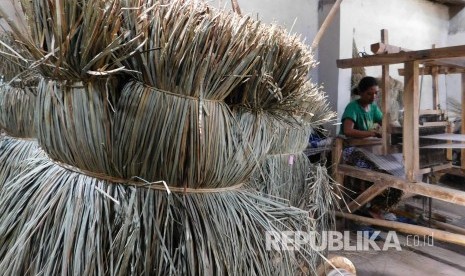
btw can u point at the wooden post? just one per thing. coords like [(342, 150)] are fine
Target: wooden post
[(386, 99), (462, 153), (410, 142), (435, 76), (325, 24), (337, 155)]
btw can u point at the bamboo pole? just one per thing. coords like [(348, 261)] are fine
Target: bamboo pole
[(325, 24), (408, 228), (235, 7)]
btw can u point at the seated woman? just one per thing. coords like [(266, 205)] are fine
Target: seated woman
[(358, 121), (360, 116)]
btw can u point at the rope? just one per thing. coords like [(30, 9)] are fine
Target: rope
[(8, 135), (200, 98), (145, 184)]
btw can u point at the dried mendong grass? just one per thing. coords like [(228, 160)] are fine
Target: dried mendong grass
[(17, 111), (13, 152), (185, 141), (74, 123), (73, 40), (61, 222)]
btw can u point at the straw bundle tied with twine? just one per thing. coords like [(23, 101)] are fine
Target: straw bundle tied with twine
[(146, 179), (17, 108)]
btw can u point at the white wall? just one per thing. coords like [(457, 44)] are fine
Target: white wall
[(456, 37)]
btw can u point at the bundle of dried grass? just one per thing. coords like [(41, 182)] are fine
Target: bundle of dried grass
[(17, 108), (73, 40), (90, 211), (62, 222), (179, 138), (74, 122)]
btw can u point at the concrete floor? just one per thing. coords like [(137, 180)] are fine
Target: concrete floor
[(440, 259)]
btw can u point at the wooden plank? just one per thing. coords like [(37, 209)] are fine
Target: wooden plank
[(456, 170), (367, 195), (419, 188), (462, 152), (420, 55), (436, 168), (410, 141), (384, 48), (432, 112), (434, 124), (386, 139), (447, 65), (448, 227), (356, 142), (442, 70), (408, 228)]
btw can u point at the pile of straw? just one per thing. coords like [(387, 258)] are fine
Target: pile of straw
[(153, 115)]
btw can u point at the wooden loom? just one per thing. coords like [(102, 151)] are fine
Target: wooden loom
[(434, 61)]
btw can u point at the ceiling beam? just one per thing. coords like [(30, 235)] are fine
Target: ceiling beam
[(450, 2)]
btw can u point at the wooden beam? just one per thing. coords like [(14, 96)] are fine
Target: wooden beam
[(420, 55), (419, 188), (462, 153), (442, 70), (386, 99), (408, 228), (448, 227), (451, 2), (435, 77), (385, 48), (410, 144), (367, 195)]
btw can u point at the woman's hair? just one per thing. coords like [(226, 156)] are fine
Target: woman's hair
[(364, 85)]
